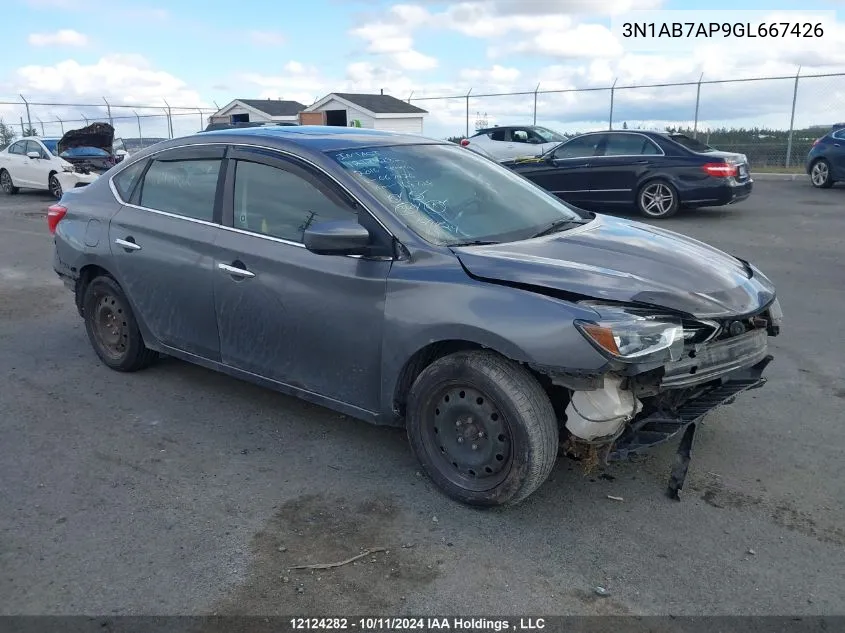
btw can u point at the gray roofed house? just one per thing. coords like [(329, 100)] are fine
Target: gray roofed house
[(377, 111), (261, 110)]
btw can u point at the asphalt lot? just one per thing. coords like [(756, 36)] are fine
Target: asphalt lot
[(178, 490)]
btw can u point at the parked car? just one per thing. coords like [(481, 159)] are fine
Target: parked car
[(56, 164), (826, 158), (513, 141), (406, 281), (655, 172), (126, 146)]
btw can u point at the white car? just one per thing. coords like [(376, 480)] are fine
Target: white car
[(34, 163), (515, 141)]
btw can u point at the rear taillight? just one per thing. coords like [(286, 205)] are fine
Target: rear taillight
[(720, 170), (464, 142), (55, 213), (816, 142)]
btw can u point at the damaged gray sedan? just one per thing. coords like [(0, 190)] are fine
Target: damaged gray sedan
[(405, 281)]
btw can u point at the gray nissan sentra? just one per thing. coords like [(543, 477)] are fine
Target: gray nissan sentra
[(406, 281)]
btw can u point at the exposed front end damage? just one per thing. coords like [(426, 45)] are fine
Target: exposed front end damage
[(662, 383)]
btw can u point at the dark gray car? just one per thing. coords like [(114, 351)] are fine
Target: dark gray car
[(406, 281)]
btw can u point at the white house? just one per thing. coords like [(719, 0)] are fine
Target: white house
[(261, 110), (377, 111)]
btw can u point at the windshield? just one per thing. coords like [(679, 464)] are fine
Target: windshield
[(50, 144), (449, 196), (75, 152), (691, 143), (549, 136)]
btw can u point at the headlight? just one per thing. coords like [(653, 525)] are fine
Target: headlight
[(67, 167), (775, 313), (634, 335)]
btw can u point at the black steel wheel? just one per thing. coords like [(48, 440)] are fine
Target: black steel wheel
[(482, 427), (658, 199), (6, 183), (820, 174), (112, 328), (55, 187)]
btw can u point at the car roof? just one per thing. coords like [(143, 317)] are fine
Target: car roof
[(319, 137)]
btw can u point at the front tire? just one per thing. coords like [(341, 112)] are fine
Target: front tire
[(657, 199), (112, 328), (55, 187), (6, 183), (820, 175), (482, 428)]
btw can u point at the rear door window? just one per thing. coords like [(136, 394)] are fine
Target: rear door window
[(126, 180), (629, 145), (183, 187)]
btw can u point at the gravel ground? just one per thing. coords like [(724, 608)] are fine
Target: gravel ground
[(181, 491)]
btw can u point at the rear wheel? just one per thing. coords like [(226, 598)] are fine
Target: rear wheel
[(6, 183), (55, 187), (820, 174), (112, 328), (482, 427), (658, 199)]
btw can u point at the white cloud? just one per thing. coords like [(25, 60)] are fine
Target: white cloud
[(62, 37), (582, 41), (495, 75), (266, 38), (390, 36)]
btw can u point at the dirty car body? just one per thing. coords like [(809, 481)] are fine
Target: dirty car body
[(406, 281)]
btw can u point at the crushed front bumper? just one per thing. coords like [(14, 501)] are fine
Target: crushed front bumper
[(72, 179), (657, 427)]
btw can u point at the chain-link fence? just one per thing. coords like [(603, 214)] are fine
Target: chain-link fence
[(773, 120), (24, 117)]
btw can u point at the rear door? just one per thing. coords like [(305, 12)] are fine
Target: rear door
[(162, 243), (624, 160), (567, 173), (499, 142)]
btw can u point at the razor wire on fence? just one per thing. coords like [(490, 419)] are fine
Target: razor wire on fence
[(773, 120)]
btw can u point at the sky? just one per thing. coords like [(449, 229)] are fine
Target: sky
[(193, 55)]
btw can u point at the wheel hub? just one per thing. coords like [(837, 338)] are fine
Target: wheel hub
[(111, 327), (469, 436)]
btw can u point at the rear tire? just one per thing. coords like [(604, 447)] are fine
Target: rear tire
[(6, 183), (820, 175), (658, 200), (482, 428), (112, 328)]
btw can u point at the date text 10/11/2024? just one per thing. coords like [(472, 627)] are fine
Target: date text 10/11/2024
[(417, 624)]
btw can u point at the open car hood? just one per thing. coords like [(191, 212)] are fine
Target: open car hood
[(619, 260), (99, 135)]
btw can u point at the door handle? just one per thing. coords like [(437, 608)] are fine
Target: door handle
[(129, 244), (641, 162), (235, 271)]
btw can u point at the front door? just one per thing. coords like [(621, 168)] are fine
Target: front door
[(162, 243), (309, 321), (567, 174)]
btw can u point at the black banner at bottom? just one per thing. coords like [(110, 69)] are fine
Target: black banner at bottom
[(425, 623)]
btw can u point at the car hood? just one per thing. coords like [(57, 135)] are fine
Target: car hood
[(99, 135), (620, 260)]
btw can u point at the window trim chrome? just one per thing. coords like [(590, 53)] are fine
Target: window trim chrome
[(271, 238)]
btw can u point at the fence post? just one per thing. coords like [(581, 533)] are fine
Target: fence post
[(792, 119), (62, 123), (697, 100), (169, 120), (612, 92), (536, 90), (467, 98), (140, 135), (202, 121), (411, 95), (108, 107), (23, 132), (28, 119), (43, 133)]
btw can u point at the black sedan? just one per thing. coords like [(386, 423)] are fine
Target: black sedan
[(656, 172)]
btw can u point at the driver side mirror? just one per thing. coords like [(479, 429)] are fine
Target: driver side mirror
[(345, 237), (121, 152), (534, 141), (33, 155)]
